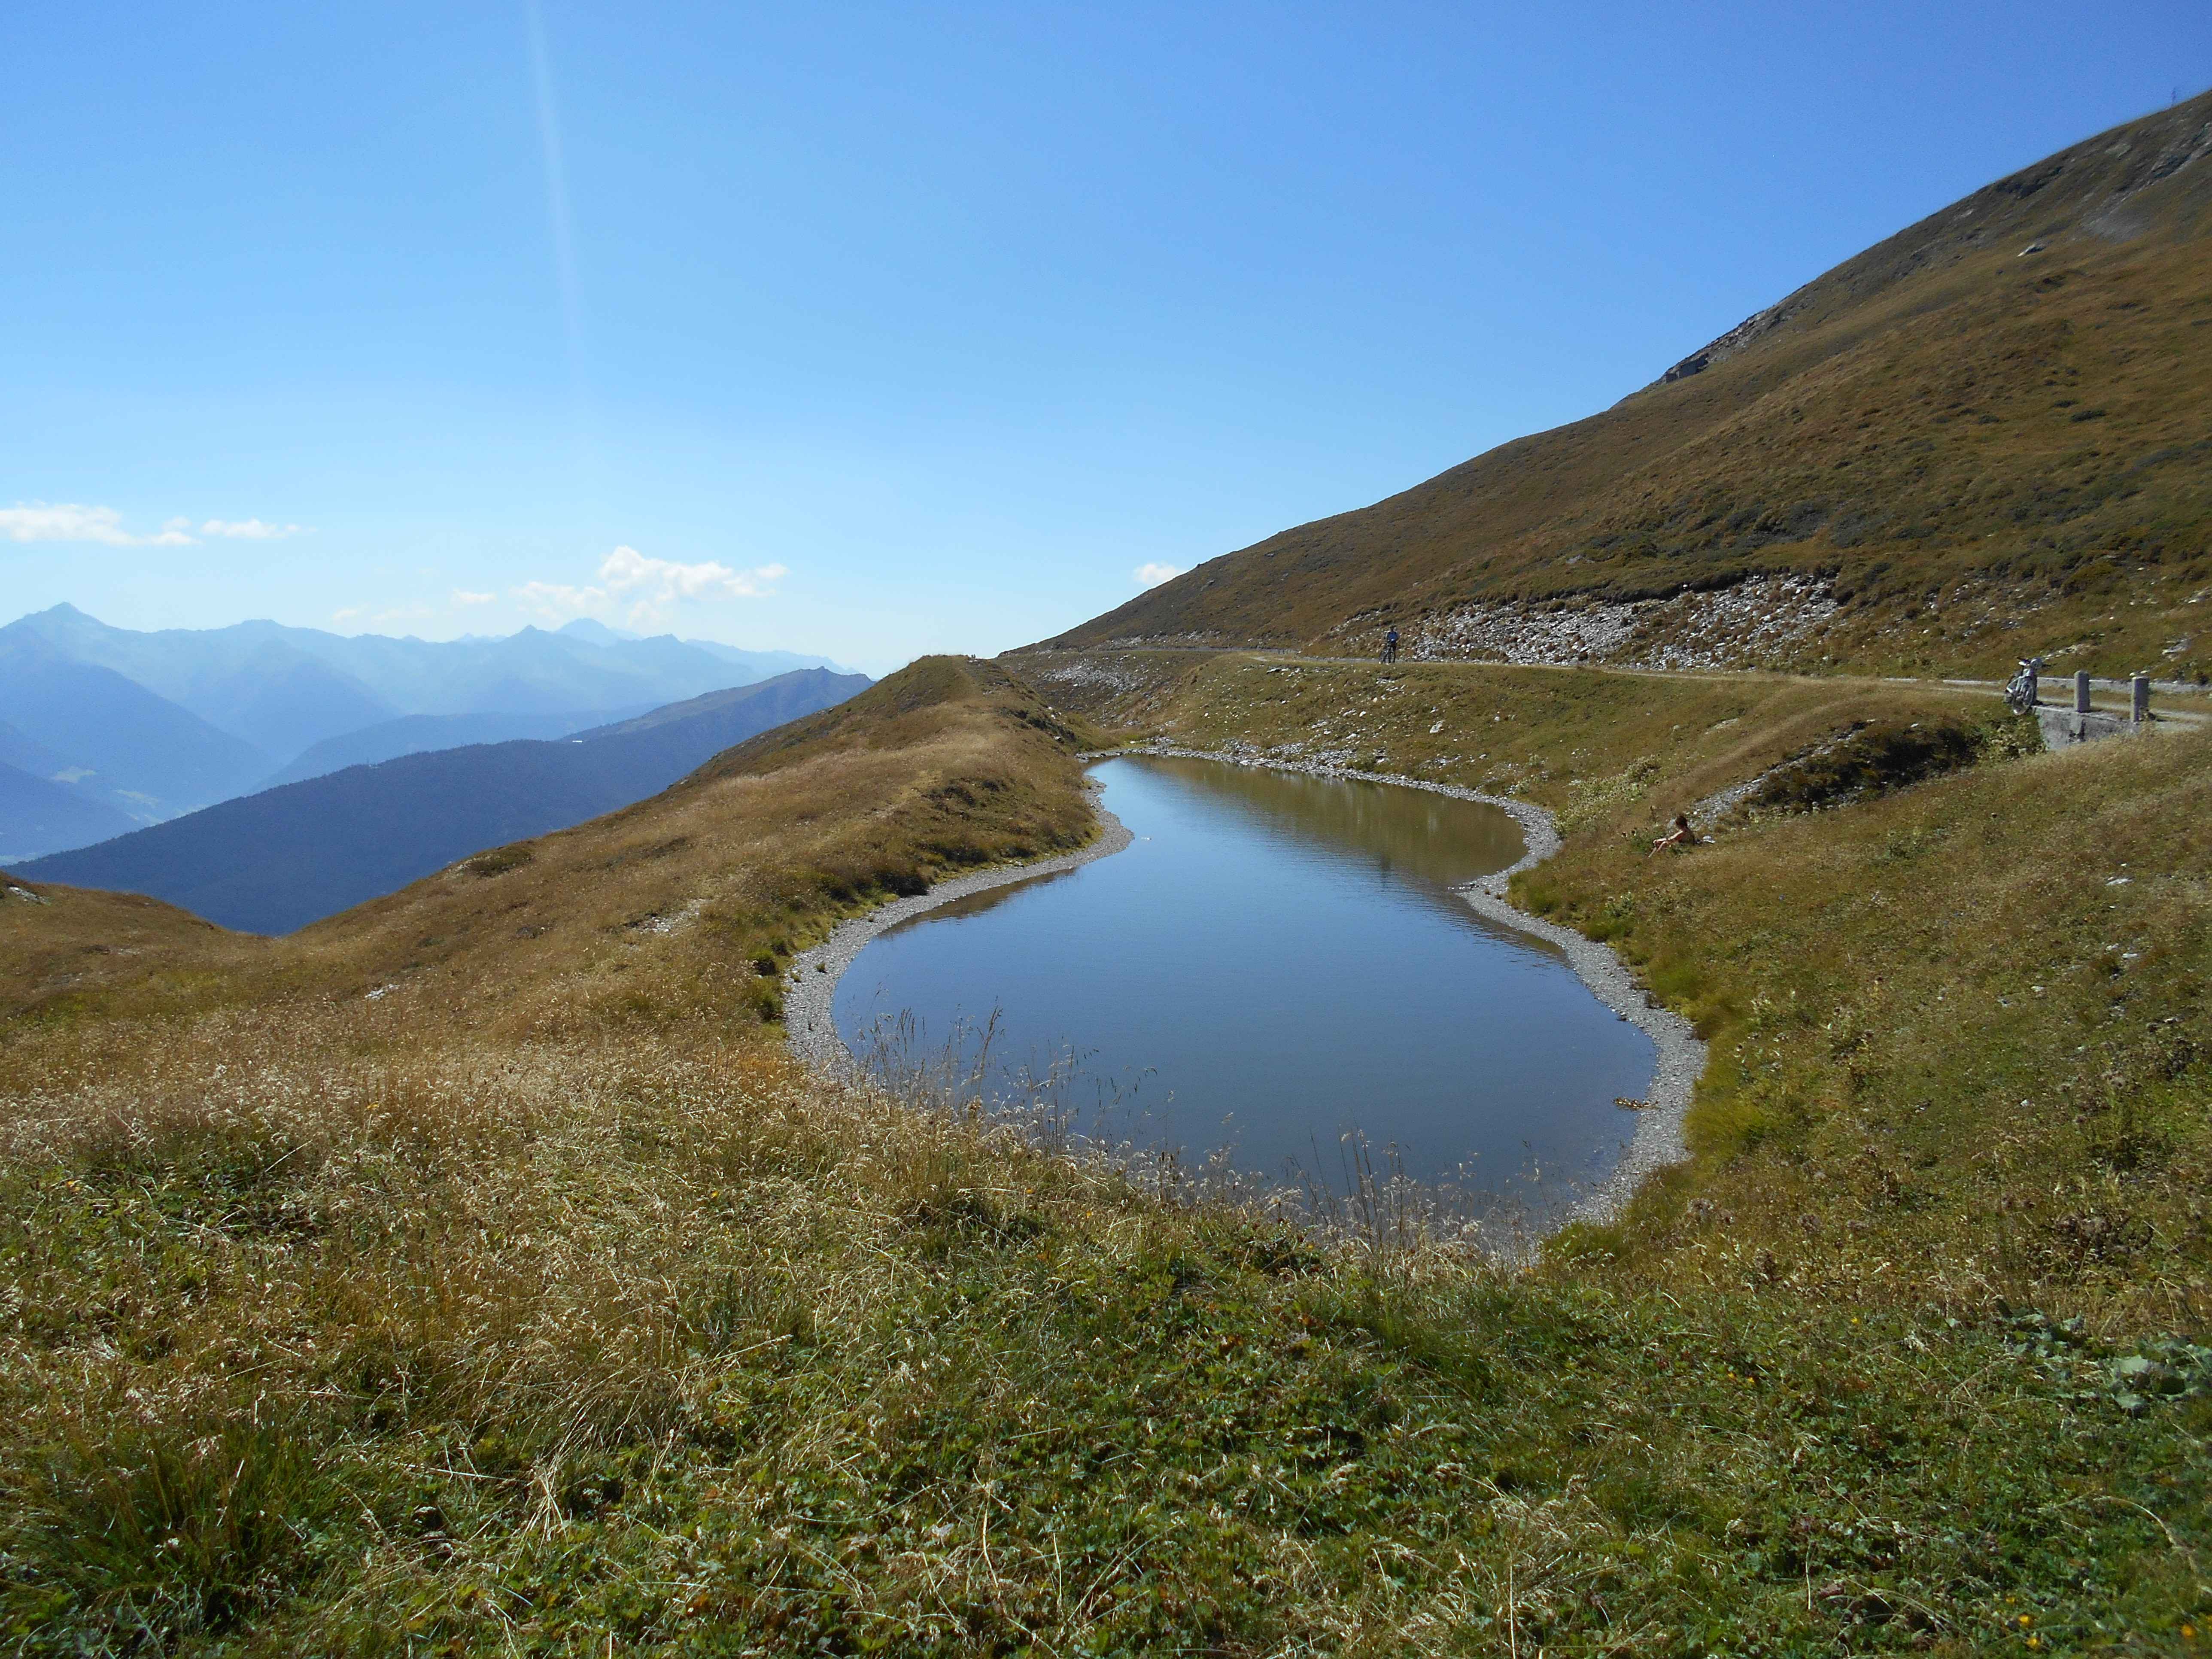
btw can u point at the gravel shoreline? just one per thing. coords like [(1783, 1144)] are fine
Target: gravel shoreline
[(1681, 1056), (806, 1022)]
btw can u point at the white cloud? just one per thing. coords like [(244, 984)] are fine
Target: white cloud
[(555, 602), (252, 529), (658, 582), (348, 613), (64, 521), (648, 586), (462, 596), (1153, 573)]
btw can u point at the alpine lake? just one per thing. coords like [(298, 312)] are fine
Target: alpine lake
[(1278, 975)]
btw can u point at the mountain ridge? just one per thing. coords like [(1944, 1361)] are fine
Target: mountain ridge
[(371, 678), (278, 861), (1997, 412), (421, 734), (157, 723), (144, 755)]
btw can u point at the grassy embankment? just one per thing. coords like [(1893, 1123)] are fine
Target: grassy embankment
[(538, 1305)]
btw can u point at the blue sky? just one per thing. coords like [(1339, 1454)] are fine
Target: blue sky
[(879, 330)]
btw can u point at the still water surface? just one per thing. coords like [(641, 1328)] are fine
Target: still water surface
[(1275, 963)]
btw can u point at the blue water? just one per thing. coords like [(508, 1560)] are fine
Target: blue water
[(1278, 962)]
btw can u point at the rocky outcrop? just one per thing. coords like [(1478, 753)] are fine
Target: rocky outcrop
[(1763, 622), (1748, 332)]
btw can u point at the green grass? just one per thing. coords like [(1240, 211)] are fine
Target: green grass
[(455, 1329), (741, 1372)]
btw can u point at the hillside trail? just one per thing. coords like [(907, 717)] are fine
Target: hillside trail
[(2107, 696)]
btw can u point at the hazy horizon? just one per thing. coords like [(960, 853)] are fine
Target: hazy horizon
[(684, 634)]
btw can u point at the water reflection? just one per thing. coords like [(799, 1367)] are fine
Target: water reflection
[(1277, 962)]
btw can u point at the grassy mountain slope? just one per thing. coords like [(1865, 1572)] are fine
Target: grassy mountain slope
[(413, 734), (742, 711), (417, 734), (1975, 451), (282, 858), (535, 1303)]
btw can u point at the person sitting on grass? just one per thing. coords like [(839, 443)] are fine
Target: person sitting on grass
[(1681, 835)]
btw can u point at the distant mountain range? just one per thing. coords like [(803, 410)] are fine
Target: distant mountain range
[(109, 739), (147, 726), (41, 811), (278, 859)]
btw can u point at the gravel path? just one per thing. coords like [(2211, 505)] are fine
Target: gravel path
[(1681, 1057)]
